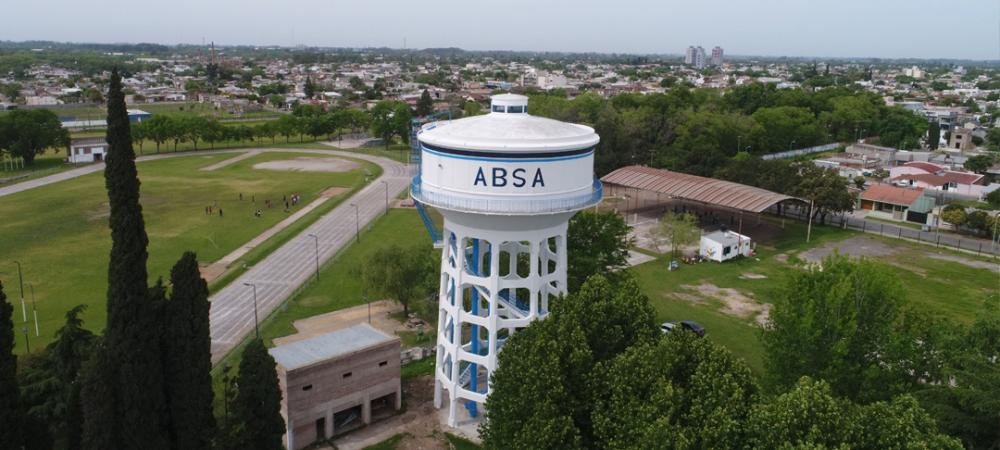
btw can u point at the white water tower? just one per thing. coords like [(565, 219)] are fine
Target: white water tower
[(507, 184)]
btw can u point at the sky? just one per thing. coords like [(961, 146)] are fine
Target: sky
[(957, 29)]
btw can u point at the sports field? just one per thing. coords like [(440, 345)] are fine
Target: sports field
[(60, 234)]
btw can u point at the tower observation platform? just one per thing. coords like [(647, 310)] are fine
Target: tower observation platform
[(506, 183)]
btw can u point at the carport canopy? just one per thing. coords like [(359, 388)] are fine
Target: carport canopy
[(695, 188)]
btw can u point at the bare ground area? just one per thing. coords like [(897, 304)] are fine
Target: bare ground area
[(868, 246), (381, 318), (734, 302), (309, 164)]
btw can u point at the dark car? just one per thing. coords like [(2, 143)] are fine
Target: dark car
[(689, 325)]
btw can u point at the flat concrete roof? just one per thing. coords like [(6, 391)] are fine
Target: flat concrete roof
[(328, 346)]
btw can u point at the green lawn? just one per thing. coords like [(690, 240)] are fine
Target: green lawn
[(47, 163), (953, 290), (88, 112), (60, 234)]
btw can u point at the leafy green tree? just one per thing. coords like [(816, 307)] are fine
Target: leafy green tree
[(680, 230), (679, 392), (835, 324), (979, 163), (257, 407), (825, 188), (900, 128), (11, 412), (784, 128), (954, 214), (553, 408), (158, 128), (597, 242), (28, 132), (810, 417), (404, 274), (132, 334), (287, 125), (993, 198), (425, 105), (470, 109), (390, 119), (187, 357)]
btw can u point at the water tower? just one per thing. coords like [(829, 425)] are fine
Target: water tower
[(507, 184)]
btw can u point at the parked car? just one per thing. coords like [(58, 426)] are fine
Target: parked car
[(688, 325)]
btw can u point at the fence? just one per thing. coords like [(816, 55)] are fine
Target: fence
[(801, 151), (955, 242)]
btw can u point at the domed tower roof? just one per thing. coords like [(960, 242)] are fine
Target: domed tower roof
[(508, 128)]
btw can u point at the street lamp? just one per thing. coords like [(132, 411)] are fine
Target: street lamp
[(20, 278), (316, 240), (256, 329), (357, 224), (386, 196)]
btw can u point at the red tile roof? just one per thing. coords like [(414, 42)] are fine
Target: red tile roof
[(886, 193), (944, 178), (925, 166)]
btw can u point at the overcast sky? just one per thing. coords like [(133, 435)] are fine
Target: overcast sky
[(876, 28)]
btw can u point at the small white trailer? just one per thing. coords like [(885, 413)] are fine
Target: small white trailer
[(724, 245)]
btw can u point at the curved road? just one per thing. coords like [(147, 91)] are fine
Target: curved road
[(286, 269)]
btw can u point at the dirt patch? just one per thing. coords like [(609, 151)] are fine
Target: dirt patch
[(332, 192), (309, 164), (734, 302), (856, 247), (687, 297), (752, 276), (965, 261), (782, 258)]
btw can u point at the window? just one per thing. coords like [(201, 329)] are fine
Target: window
[(725, 250), (307, 387), (498, 108), (515, 109), (383, 363), (347, 375)]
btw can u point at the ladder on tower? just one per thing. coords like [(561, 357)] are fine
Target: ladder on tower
[(416, 125)]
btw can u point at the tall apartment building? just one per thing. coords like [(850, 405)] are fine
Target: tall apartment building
[(716, 56), (695, 56)]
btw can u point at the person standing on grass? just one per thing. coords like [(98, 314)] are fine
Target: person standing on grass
[(220, 212)]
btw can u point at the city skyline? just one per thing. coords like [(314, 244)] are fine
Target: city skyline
[(848, 29)]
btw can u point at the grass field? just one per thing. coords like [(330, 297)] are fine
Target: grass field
[(89, 112), (60, 234)]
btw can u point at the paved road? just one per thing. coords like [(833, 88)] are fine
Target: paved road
[(99, 167), (283, 271)]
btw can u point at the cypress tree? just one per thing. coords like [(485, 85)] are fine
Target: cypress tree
[(933, 134), (425, 105), (257, 408), (11, 413), (97, 394), (310, 88), (188, 358), (132, 364)]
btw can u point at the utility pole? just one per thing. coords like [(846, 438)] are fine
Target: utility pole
[(316, 239), (20, 279), (33, 310), (256, 328)]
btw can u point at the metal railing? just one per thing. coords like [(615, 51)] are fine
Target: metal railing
[(507, 205)]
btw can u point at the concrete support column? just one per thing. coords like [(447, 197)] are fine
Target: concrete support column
[(329, 422), (366, 409)]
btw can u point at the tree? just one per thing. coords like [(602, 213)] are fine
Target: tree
[(309, 89), (11, 413), (132, 333), (966, 406), (835, 324), (553, 407), (979, 163), (28, 132), (680, 230), (257, 408), (825, 188), (159, 128), (401, 273), (954, 214), (597, 242), (859, 182), (425, 105), (933, 135), (809, 416), (470, 109), (287, 125), (390, 119), (993, 198), (187, 357), (678, 392)]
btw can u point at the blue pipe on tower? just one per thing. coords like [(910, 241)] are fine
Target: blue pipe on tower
[(474, 369)]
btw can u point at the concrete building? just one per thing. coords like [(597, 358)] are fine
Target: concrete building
[(336, 382), (961, 139), (87, 150), (506, 183), (695, 56), (717, 57)]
